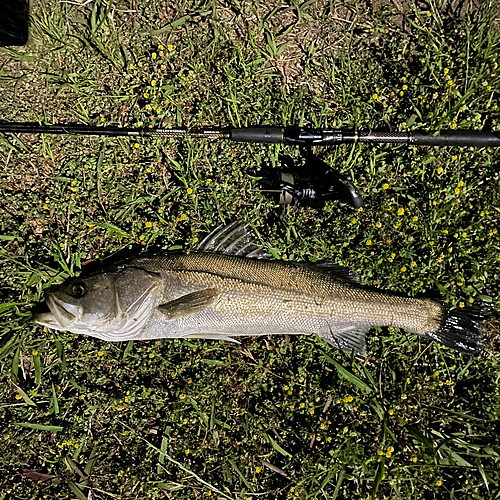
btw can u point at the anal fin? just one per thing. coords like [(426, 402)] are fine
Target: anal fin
[(188, 304), (349, 339)]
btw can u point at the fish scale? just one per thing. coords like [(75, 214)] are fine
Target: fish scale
[(279, 297)]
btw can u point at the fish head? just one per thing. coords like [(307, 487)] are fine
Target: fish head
[(110, 305)]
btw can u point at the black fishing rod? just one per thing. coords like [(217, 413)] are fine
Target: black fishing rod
[(273, 135)]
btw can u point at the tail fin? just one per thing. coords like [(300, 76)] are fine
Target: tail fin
[(459, 328)]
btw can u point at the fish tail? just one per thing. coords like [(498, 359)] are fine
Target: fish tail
[(459, 328)]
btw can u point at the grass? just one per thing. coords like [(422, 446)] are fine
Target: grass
[(278, 416)]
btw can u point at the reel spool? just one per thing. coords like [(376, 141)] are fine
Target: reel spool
[(294, 187)]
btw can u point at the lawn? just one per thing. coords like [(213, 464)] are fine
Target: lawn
[(275, 417)]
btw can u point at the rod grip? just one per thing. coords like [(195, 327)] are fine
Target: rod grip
[(264, 135), (475, 138)]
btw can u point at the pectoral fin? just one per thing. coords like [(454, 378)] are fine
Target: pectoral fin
[(188, 304)]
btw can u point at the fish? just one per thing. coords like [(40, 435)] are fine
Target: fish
[(228, 287)]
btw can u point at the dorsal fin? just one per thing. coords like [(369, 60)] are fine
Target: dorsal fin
[(336, 270), (234, 239)]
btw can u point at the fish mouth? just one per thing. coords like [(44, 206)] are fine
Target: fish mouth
[(61, 316)]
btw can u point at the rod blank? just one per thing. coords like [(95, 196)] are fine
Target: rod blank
[(273, 135)]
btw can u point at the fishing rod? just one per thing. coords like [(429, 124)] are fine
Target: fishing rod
[(273, 135)]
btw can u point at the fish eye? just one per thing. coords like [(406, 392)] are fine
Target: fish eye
[(79, 290)]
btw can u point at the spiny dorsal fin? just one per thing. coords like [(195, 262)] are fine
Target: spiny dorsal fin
[(234, 239), (188, 304)]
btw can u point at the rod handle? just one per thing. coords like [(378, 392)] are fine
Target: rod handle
[(263, 135), (475, 138)]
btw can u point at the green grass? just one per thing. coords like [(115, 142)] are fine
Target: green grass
[(278, 416)]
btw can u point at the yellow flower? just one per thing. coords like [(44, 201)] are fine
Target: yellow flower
[(368, 242), (391, 412), (35, 353), (348, 399), (189, 191), (405, 87), (403, 269), (378, 225), (439, 482), (401, 93), (457, 190), (390, 449), (446, 71), (170, 47), (388, 454), (153, 55), (187, 452), (258, 470), (153, 83), (413, 264), (182, 396), (18, 396), (385, 186), (183, 216), (440, 170), (353, 220), (414, 459), (149, 224), (450, 82), (160, 47), (375, 97), (100, 353), (137, 146), (146, 95), (380, 453), (311, 411), (429, 14), (151, 355), (461, 304), (401, 211)]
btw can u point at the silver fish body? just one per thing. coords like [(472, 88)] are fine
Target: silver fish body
[(218, 296)]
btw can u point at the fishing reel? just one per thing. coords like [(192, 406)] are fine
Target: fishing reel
[(311, 184)]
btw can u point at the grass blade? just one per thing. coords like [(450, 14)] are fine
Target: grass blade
[(350, 377)]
